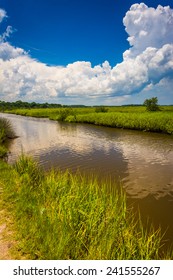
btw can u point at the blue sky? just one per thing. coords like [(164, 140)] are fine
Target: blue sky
[(77, 52)]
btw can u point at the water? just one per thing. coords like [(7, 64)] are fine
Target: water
[(142, 162)]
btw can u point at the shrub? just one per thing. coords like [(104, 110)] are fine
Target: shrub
[(64, 113), (152, 104), (101, 109)]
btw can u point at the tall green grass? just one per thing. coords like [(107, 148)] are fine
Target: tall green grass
[(151, 121), (52, 113), (63, 216), (131, 117), (6, 132)]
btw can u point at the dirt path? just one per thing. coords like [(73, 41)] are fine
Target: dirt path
[(5, 239)]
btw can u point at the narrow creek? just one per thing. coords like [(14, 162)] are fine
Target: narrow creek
[(141, 162)]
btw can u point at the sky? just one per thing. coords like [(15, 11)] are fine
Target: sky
[(90, 52)]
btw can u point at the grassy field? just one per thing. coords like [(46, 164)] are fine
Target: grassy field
[(64, 216), (130, 117)]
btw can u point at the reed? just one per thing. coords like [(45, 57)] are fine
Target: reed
[(59, 215)]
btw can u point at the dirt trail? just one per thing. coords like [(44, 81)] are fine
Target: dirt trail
[(5, 240), (4, 245)]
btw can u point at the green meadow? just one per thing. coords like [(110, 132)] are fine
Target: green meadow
[(128, 117)]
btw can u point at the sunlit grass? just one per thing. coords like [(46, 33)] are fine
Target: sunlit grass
[(152, 121), (58, 215), (130, 117)]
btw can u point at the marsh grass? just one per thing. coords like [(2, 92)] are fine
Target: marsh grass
[(152, 121), (3, 151), (130, 117), (63, 216), (6, 130)]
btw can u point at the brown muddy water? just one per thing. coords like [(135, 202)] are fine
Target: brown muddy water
[(142, 162)]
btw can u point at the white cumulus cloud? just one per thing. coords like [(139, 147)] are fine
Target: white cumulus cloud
[(147, 63), (148, 27)]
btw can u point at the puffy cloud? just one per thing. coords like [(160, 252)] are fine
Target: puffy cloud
[(29, 78), (8, 52), (148, 27), (148, 61), (151, 66)]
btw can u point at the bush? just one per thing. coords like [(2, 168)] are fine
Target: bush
[(152, 104), (101, 109), (64, 113)]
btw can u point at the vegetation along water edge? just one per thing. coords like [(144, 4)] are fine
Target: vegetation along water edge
[(59, 215), (6, 132), (128, 117)]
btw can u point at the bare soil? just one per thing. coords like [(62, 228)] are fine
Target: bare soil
[(6, 242)]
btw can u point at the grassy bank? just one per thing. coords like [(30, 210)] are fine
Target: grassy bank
[(64, 216), (130, 117), (6, 132), (156, 122)]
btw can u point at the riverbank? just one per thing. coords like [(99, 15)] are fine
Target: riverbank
[(6, 132), (7, 236), (128, 117), (6, 232), (58, 215)]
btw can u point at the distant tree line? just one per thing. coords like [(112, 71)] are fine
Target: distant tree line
[(26, 105), (151, 105), (31, 105)]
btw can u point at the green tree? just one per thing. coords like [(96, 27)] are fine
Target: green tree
[(151, 104)]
